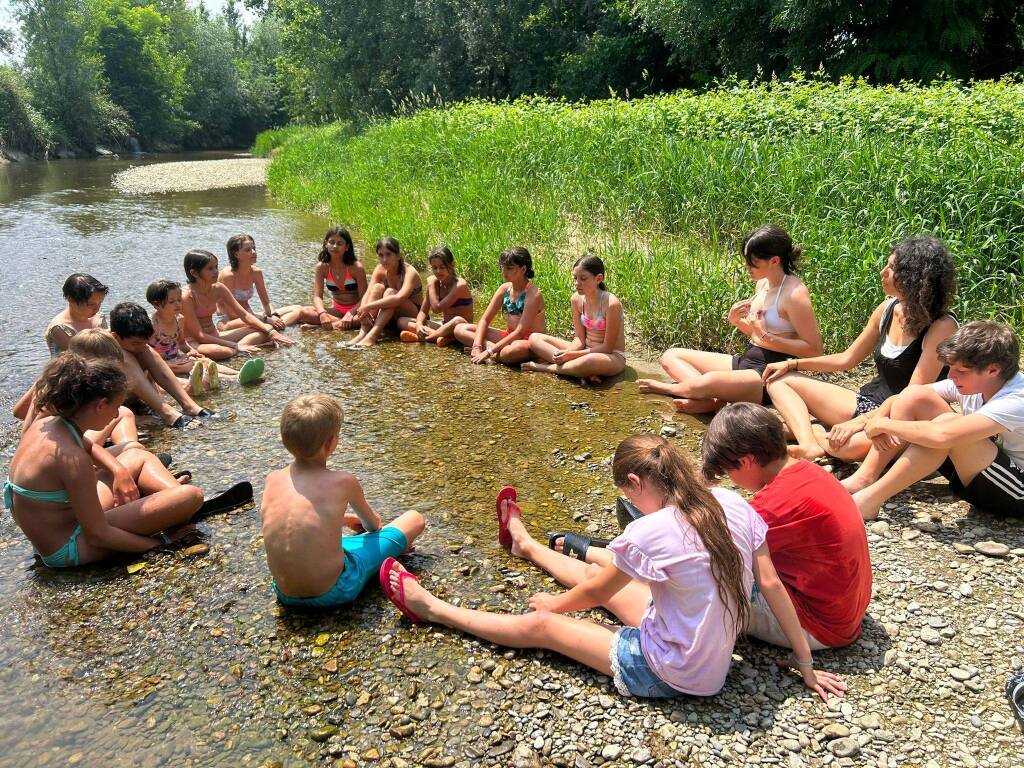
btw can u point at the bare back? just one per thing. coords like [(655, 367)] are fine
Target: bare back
[(303, 512)]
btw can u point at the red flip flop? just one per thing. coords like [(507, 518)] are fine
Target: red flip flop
[(397, 598), (508, 493)]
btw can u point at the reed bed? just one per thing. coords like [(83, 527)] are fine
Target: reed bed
[(664, 188)]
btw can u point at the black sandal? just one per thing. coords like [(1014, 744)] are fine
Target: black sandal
[(165, 458), (626, 512), (183, 473), (575, 545), (1015, 693), (234, 497)]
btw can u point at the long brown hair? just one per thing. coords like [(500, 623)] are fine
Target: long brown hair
[(70, 381), (657, 461)]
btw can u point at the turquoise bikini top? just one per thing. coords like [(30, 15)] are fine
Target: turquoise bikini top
[(53, 497), (514, 307)]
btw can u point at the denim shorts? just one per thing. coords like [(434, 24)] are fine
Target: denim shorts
[(364, 555), (630, 672)]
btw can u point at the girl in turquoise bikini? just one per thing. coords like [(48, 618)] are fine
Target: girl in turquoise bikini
[(71, 512)]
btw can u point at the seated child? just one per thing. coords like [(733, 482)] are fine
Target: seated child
[(448, 294), (985, 380), (679, 580), (132, 328), (815, 535), (169, 341), (304, 509)]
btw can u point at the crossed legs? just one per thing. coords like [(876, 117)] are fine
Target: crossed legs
[(703, 381)]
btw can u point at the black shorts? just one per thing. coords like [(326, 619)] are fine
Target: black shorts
[(997, 489), (756, 359), (865, 404)]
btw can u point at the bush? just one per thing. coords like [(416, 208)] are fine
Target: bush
[(21, 126), (664, 189)]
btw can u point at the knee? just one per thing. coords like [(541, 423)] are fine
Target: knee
[(668, 356), (536, 625), (917, 398), (191, 499), (414, 523), (133, 446)]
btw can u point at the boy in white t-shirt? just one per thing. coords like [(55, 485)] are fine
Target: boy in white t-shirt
[(980, 451)]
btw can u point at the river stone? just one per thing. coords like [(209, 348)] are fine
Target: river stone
[(323, 733), (992, 548), (611, 752), (962, 548), (835, 731), (844, 747), (930, 636), (196, 550)]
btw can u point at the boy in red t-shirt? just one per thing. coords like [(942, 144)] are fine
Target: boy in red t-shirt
[(815, 532)]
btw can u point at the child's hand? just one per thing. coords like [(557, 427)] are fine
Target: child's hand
[(542, 601), (248, 349), (194, 354), (822, 683), (841, 433), (276, 322), (775, 371), (280, 338), (479, 354), (565, 355), (124, 488), (739, 311), (352, 521)]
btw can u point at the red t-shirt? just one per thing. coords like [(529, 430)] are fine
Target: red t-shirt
[(819, 548)]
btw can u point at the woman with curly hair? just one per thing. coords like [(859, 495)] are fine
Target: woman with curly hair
[(902, 335)]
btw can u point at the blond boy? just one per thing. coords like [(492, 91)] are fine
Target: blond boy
[(305, 506)]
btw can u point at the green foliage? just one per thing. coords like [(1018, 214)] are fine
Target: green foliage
[(886, 40), (143, 76), (664, 189), (21, 125), (441, 51), (65, 71)]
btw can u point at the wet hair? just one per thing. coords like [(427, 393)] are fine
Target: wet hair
[(656, 461), (925, 275), (71, 381), (517, 256), (130, 321), (980, 344), (309, 421), (391, 245), (444, 253), (157, 292), (738, 430), (196, 261), (80, 286), (96, 344), (772, 240), (350, 252), (235, 243), (593, 265)]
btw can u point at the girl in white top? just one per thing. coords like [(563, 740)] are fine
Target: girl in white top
[(778, 321), (678, 579)]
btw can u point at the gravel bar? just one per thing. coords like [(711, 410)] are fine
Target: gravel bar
[(193, 176)]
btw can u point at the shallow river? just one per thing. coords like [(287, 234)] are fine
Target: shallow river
[(190, 661)]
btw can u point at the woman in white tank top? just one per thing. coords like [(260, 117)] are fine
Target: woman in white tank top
[(778, 321)]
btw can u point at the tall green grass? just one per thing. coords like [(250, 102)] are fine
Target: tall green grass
[(664, 189)]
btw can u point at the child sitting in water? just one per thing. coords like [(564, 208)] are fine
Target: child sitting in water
[(169, 341), (523, 305), (598, 349), (448, 294), (304, 510)]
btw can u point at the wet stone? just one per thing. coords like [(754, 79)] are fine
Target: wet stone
[(992, 549)]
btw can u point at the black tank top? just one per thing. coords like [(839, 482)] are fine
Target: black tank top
[(894, 372)]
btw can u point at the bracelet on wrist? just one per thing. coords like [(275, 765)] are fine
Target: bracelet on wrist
[(802, 664)]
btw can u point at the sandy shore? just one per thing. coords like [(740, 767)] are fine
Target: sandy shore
[(193, 176)]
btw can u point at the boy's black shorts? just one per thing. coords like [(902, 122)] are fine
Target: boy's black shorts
[(997, 489)]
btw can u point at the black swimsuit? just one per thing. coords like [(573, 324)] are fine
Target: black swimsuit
[(894, 373)]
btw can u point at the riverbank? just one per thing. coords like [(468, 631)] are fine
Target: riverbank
[(665, 188)]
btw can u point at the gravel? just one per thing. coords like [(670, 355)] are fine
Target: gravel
[(192, 176)]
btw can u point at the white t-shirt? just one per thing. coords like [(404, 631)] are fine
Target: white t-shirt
[(1005, 407), (686, 635)]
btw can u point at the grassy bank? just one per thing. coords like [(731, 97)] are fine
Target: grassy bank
[(664, 189)]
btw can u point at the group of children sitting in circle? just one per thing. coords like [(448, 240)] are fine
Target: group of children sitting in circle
[(695, 565)]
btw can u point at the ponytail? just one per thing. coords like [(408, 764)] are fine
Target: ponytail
[(657, 461)]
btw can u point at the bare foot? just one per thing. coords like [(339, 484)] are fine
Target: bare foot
[(868, 509), (688, 405), (655, 387), (855, 482), (181, 533), (809, 453), (531, 366), (521, 539), (417, 599), (594, 379)]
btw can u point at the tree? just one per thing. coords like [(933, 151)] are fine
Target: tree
[(65, 71)]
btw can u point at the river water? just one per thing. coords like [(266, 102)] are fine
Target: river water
[(190, 661)]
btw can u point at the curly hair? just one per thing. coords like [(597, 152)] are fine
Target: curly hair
[(925, 275)]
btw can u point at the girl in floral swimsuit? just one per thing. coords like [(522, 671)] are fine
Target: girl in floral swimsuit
[(244, 279)]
